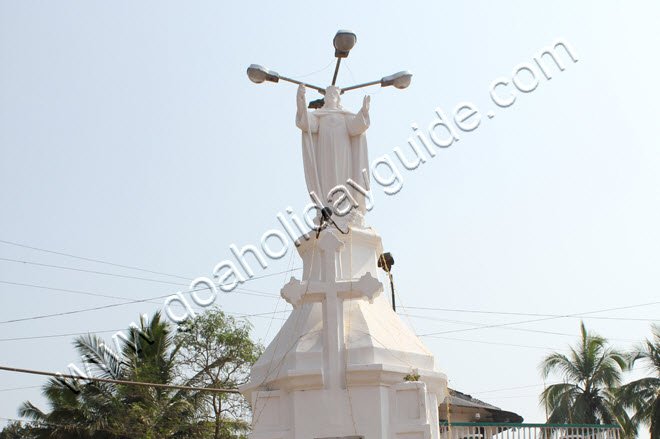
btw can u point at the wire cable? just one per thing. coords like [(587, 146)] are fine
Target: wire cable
[(37, 337), (64, 290), (133, 302), (542, 319), (61, 267), (537, 331), (129, 383), (90, 259), (474, 311)]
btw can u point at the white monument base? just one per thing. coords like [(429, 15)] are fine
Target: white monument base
[(344, 364)]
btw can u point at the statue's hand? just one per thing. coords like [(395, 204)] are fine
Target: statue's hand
[(301, 93), (365, 103)]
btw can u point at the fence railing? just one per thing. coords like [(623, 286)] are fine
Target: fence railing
[(485, 430)]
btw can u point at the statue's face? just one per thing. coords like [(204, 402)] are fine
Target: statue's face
[(332, 97)]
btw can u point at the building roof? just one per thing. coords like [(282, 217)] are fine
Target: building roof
[(495, 414)]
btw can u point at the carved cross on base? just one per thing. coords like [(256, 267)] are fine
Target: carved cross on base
[(332, 293)]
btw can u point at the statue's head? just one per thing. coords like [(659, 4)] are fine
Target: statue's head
[(331, 98)]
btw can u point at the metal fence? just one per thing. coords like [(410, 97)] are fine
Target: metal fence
[(468, 430)]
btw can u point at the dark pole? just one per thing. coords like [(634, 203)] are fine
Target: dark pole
[(392, 287), (334, 78), (385, 261)]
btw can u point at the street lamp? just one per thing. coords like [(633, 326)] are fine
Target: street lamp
[(399, 80), (259, 74), (385, 261), (344, 41)]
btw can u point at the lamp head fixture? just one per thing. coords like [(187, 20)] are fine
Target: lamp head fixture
[(385, 261), (344, 41), (259, 74)]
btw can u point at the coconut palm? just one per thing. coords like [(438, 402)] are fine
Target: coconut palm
[(590, 373), (110, 411), (643, 395)]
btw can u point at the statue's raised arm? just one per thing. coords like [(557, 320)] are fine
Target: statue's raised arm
[(304, 121), (360, 122)]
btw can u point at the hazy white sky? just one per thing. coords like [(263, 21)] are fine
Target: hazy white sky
[(130, 133)]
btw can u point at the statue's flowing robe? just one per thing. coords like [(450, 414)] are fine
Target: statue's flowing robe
[(334, 147)]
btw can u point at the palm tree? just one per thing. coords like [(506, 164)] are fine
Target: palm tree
[(111, 411), (643, 395), (590, 373), (16, 430)]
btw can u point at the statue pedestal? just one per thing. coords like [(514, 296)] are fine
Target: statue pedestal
[(337, 367)]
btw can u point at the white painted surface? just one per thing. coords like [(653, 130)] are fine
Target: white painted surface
[(337, 366), (334, 146)]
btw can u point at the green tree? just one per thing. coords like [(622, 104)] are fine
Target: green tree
[(16, 430), (643, 395), (590, 373), (217, 352), (109, 411)]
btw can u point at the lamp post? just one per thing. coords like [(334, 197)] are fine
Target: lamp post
[(343, 42), (385, 261)]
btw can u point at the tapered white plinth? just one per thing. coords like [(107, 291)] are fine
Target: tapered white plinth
[(337, 366)]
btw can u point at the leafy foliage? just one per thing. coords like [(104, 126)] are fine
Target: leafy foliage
[(16, 430), (591, 372), (218, 351), (212, 351), (643, 395)]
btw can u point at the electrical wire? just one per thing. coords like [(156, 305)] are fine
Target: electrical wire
[(132, 301), (64, 290), (123, 382), (37, 337), (315, 71), (124, 276), (507, 388), (537, 331), (473, 311), (19, 388), (542, 319), (81, 270), (90, 259), (488, 342)]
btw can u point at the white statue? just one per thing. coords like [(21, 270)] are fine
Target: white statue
[(335, 151)]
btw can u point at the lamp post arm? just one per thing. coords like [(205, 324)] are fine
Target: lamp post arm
[(319, 89), (366, 84), (392, 287), (334, 78)]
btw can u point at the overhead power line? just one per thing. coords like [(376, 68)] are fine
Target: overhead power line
[(61, 267), (527, 314), (19, 388), (488, 342), (112, 264), (96, 308), (540, 319), (128, 300), (38, 337), (91, 260), (64, 290), (129, 383), (537, 331), (510, 388)]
